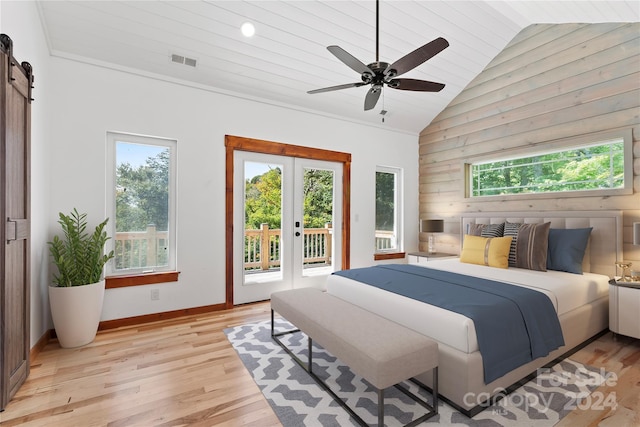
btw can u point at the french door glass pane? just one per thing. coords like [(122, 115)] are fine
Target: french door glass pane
[(263, 221), (317, 248)]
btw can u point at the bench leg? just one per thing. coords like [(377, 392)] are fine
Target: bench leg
[(380, 407), (310, 364), (434, 390), (274, 335)]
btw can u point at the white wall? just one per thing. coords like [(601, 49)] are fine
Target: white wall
[(510, 109), (76, 103), (91, 100), (20, 21)]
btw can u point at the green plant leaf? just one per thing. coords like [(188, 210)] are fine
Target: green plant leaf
[(79, 257)]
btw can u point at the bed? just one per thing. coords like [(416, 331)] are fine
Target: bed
[(580, 301)]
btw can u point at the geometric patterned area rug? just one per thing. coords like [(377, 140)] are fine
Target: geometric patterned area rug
[(298, 401)]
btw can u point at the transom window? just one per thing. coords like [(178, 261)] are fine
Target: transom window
[(599, 166)]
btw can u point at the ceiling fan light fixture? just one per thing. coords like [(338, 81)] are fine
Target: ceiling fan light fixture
[(379, 73)]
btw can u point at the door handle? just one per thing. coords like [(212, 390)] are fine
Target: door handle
[(297, 234)]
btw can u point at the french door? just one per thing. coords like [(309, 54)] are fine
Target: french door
[(284, 211)]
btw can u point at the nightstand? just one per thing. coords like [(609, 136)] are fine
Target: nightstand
[(624, 308), (423, 257)]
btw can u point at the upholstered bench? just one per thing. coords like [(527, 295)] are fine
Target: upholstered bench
[(379, 350)]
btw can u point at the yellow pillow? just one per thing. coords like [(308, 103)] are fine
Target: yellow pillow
[(491, 251)]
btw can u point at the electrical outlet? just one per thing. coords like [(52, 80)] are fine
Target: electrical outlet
[(155, 294)]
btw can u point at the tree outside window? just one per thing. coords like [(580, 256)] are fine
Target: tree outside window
[(143, 179), (387, 210), (598, 166)]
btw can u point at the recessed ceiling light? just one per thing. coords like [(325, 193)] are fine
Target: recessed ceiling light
[(248, 30)]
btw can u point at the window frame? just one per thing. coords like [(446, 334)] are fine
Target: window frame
[(553, 147), (398, 251), (141, 276)]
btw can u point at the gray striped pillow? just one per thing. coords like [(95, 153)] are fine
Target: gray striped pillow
[(511, 230), (492, 230), (486, 230)]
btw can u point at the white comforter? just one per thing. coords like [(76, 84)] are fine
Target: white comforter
[(565, 290)]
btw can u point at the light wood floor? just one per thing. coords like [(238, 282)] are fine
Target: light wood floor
[(184, 372)]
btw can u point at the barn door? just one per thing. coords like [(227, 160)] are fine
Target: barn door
[(15, 99)]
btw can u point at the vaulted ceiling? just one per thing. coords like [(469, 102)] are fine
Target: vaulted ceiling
[(287, 56)]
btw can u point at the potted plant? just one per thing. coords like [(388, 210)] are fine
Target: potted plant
[(77, 291)]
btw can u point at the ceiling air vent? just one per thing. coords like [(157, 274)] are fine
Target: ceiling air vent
[(179, 59)]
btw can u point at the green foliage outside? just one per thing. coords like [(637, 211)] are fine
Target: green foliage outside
[(318, 198), (142, 194), (142, 199), (385, 201), (596, 167), (263, 199)]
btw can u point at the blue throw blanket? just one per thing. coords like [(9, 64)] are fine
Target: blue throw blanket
[(514, 325)]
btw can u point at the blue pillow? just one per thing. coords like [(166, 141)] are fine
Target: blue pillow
[(566, 249)]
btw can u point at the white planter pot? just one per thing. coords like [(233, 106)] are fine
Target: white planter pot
[(76, 312)]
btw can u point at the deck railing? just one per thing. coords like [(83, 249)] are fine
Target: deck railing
[(262, 247), (385, 240), (139, 249)]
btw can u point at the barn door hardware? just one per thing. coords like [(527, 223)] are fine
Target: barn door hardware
[(16, 229), (6, 44), (29, 70)]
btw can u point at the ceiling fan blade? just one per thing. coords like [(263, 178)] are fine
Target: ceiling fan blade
[(350, 60), (372, 97), (418, 56), (417, 85), (329, 89)]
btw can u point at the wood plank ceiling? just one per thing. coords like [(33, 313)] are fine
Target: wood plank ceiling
[(287, 56)]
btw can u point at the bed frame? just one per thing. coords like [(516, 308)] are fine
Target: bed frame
[(461, 374)]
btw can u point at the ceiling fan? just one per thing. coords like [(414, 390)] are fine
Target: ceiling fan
[(378, 74)]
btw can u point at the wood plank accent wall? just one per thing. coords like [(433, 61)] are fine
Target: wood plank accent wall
[(551, 82)]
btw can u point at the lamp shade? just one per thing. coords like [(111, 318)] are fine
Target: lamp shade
[(432, 226), (636, 233)]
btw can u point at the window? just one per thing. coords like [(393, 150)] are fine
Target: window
[(602, 167), (388, 210), (141, 197)]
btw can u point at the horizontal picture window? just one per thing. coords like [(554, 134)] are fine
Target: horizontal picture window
[(600, 166)]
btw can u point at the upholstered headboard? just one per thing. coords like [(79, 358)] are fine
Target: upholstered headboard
[(605, 245)]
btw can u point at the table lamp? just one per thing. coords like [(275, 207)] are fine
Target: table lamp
[(432, 226), (627, 275)]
